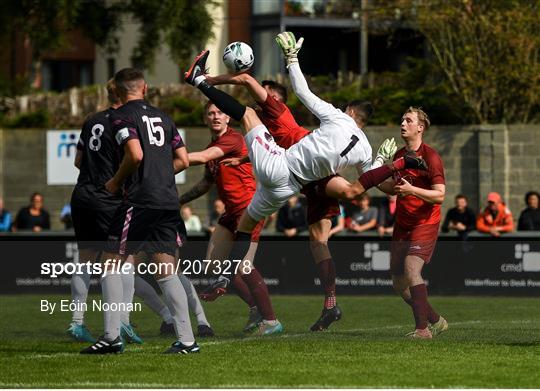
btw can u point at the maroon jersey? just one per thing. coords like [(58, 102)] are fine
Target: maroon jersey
[(236, 185), (280, 122), (412, 211)]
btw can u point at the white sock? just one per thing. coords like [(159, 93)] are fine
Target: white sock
[(175, 297), (80, 283), (148, 294), (198, 80), (128, 287), (193, 301), (111, 286)]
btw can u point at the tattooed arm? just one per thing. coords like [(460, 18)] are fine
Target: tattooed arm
[(199, 189)]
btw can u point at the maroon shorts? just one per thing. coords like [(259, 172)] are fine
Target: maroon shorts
[(230, 221), (319, 205), (419, 241)]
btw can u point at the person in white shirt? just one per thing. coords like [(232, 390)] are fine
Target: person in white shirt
[(192, 221)]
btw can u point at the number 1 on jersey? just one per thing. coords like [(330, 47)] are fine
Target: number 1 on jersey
[(156, 134), (354, 140)]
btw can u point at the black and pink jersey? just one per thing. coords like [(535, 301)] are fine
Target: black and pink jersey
[(100, 160), (152, 185)]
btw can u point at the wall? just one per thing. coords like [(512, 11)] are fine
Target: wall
[(477, 159)]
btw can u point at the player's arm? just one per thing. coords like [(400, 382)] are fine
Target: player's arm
[(202, 187), (180, 160), (202, 157), (290, 48), (133, 155), (78, 158), (435, 195), (256, 91), (235, 161)]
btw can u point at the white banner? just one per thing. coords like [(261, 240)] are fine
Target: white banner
[(61, 150)]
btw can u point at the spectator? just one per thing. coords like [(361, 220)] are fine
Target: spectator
[(33, 217), (386, 216), (65, 216), (496, 217), (192, 221), (365, 218), (5, 218), (338, 222), (215, 214), (460, 218), (291, 218), (529, 219)]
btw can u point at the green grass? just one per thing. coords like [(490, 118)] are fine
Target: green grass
[(491, 343)]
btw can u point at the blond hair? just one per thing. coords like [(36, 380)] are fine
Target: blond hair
[(423, 118), (112, 95)]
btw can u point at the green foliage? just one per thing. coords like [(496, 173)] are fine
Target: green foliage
[(488, 50), (418, 84), (36, 119), (184, 112), (185, 25)]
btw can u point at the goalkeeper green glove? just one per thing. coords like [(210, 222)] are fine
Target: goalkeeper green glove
[(287, 42), (386, 151)]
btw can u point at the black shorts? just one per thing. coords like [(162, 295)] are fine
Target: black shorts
[(152, 230), (91, 226)]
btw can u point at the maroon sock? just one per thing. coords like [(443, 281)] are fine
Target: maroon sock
[(432, 315), (242, 290), (259, 291), (419, 305), (374, 177), (327, 275)]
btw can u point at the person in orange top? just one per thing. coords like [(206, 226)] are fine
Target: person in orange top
[(496, 217)]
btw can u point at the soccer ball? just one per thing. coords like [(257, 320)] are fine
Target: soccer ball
[(238, 56)]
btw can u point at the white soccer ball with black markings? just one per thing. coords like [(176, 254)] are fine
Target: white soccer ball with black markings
[(238, 57)]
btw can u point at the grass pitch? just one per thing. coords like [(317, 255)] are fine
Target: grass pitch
[(491, 343)]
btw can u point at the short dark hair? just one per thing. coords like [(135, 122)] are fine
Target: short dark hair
[(531, 193), (35, 194), (362, 110), (277, 87), (457, 197), (125, 80)]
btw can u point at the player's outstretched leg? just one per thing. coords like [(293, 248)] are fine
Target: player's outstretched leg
[(127, 331), (225, 102), (203, 326)]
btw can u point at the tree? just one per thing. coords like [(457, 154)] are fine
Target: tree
[(184, 25), (488, 50)]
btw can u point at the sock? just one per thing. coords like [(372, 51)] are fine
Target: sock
[(222, 100), (148, 294), (432, 315), (193, 301), (176, 299), (128, 287), (241, 246), (327, 275), (259, 291), (242, 290), (419, 305), (374, 177), (111, 286), (80, 283)]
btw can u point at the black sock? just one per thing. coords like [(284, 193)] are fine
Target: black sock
[(223, 101), (240, 246)]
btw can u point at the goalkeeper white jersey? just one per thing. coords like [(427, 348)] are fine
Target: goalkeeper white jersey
[(336, 145)]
